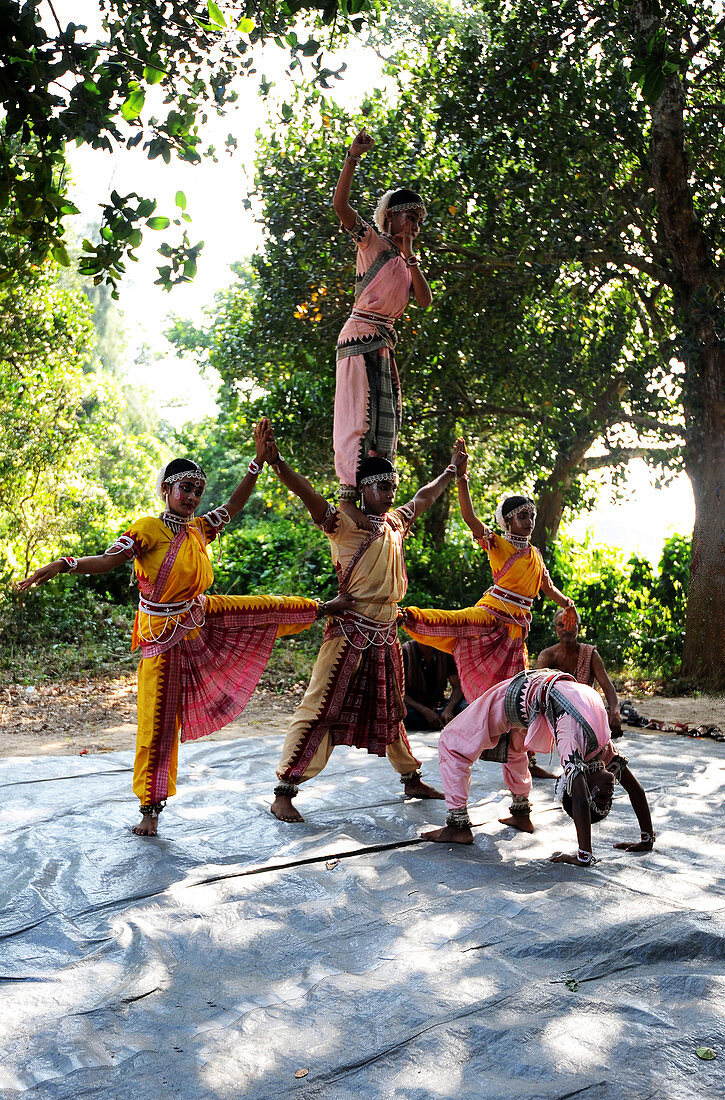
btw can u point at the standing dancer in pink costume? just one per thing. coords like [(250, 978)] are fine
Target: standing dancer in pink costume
[(368, 406)]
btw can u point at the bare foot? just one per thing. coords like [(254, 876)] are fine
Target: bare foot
[(147, 826), (284, 810), (416, 788), (538, 772), (449, 835), (521, 822)]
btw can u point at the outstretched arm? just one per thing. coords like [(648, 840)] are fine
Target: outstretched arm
[(429, 494), (90, 566), (246, 486), (549, 589), (640, 805), (341, 202), (314, 502), (478, 529), (610, 693), (582, 824)]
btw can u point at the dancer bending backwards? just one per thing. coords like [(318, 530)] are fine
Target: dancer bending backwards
[(488, 641), (201, 655), (541, 708), (583, 662), (368, 407), (355, 695)]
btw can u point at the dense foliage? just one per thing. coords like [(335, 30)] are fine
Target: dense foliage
[(149, 75)]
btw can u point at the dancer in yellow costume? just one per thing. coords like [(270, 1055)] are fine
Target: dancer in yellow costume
[(488, 641), (201, 655)]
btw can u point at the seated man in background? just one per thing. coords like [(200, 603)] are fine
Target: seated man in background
[(582, 662), (427, 673)]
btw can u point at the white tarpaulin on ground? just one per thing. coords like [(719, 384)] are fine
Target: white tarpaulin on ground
[(232, 951)]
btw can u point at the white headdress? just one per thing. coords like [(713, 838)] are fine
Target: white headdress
[(526, 506), (184, 475), (382, 208)]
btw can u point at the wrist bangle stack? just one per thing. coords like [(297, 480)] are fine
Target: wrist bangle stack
[(72, 564), (413, 261), (451, 469), (254, 468), (355, 159)]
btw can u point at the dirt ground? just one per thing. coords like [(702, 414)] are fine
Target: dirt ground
[(99, 715)]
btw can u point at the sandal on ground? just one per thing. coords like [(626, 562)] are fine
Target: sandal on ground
[(698, 731), (716, 733)]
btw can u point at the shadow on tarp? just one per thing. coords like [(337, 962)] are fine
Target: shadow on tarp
[(231, 951)]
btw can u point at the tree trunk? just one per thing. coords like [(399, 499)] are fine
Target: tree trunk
[(700, 318), (704, 653), (551, 498)]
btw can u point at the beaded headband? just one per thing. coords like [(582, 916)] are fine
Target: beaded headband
[(399, 206), (563, 787), (386, 475), (185, 475), (528, 506), (384, 208)]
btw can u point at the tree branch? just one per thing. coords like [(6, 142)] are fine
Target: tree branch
[(626, 454)]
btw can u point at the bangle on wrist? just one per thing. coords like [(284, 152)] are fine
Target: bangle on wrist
[(462, 477), (354, 157), (276, 464), (71, 564), (254, 468), (451, 469), (412, 261)]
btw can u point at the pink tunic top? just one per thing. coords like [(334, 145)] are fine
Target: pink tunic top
[(382, 288)]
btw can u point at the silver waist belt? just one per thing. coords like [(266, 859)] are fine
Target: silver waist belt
[(512, 597), (165, 610)]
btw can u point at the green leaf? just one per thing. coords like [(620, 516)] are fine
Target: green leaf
[(706, 1053), (61, 257), (158, 223), (180, 200), (133, 106), (152, 75), (572, 984), (216, 15), (245, 25)]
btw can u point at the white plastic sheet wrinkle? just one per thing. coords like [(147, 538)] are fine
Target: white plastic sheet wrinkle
[(215, 960)]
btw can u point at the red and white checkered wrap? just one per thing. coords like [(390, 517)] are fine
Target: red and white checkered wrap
[(485, 653), (487, 660), (219, 667)]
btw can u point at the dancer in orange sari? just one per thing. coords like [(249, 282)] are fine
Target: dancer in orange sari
[(201, 655), (488, 641)]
